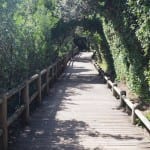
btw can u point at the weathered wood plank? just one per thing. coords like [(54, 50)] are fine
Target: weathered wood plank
[(79, 114)]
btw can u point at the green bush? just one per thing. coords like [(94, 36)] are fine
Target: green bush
[(126, 27)]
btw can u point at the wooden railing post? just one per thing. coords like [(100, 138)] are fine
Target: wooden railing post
[(65, 62), (108, 86), (39, 88), (51, 75), (127, 109), (26, 102), (113, 90), (47, 80), (72, 54), (56, 70), (3, 122), (133, 116), (122, 94)]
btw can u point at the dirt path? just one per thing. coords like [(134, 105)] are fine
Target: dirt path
[(80, 114)]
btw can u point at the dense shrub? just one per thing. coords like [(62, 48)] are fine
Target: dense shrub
[(26, 42), (126, 26), (121, 31)]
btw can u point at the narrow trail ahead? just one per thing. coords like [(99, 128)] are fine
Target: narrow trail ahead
[(80, 114)]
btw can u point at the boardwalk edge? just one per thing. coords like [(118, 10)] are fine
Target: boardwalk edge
[(125, 102)]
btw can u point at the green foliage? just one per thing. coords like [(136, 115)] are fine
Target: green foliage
[(25, 39), (126, 26), (99, 42), (32, 36), (120, 34)]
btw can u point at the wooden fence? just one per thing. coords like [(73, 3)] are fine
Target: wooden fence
[(130, 108), (42, 80)]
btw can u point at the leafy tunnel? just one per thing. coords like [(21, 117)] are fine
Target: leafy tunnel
[(35, 33)]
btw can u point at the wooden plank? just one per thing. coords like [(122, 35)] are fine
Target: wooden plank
[(39, 84), (106, 78), (16, 115)]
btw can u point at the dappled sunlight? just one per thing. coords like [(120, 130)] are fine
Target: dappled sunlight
[(79, 114), (71, 74)]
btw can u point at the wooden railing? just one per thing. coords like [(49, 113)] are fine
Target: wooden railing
[(130, 108), (42, 81)]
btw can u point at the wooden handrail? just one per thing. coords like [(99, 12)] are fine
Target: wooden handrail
[(12, 92), (109, 84), (33, 78), (117, 90), (34, 95), (126, 102), (15, 115), (26, 99), (43, 71), (143, 119)]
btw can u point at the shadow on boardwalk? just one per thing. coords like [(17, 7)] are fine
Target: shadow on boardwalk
[(45, 132), (72, 117)]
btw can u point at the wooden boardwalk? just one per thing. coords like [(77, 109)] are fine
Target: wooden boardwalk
[(79, 114)]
